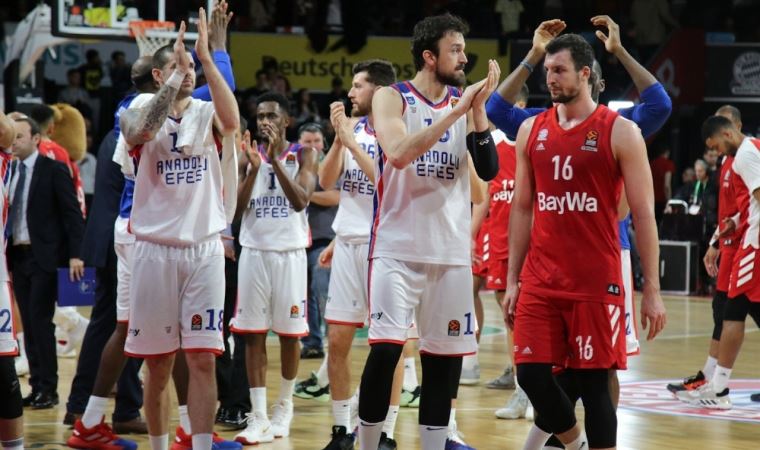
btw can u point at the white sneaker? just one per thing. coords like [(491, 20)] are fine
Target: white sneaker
[(454, 434), (516, 406), (22, 366), (257, 430), (282, 415), (706, 397), (470, 376)]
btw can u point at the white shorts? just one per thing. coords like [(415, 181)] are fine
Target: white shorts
[(631, 330), (8, 343), (272, 292), (347, 295), (440, 295), (176, 298), (124, 242)]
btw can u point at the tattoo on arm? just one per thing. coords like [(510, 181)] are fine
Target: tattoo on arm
[(144, 125)]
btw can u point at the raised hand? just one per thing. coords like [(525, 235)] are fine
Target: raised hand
[(217, 30), (251, 150), (201, 45), (273, 139), (180, 54), (612, 38), (341, 124), (546, 31), (465, 101), (491, 82)]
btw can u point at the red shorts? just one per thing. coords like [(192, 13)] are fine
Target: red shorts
[(569, 333), (481, 251), (724, 268), (745, 278), (497, 274)]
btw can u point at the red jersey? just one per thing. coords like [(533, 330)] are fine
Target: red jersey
[(660, 166), (727, 207), (745, 278), (574, 250), (500, 193), (54, 151)]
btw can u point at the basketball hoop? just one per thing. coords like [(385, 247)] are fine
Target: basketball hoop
[(147, 42)]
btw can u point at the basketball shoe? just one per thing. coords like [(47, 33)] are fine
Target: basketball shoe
[(410, 399), (184, 441), (386, 443), (309, 389), (341, 439), (688, 384), (504, 381), (706, 397), (258, 430), (99, 437), (516, 407), (282, 415)]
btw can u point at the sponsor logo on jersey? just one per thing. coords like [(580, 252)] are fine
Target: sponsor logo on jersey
[(196, 322), (294, 312), (168, 329), (454, 101), (527, 351), (569, 201), (376, 316), (613, 289), (540, 146), (543, 134), (290, 159), (591, 141), (454, 327), (134, 331), (410, 99)]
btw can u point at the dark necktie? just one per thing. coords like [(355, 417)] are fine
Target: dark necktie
[(14, 212)]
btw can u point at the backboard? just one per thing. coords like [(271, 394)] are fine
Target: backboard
[(109, 19)]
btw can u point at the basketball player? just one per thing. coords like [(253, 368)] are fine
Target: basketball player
[(725, 242), (720, 134), (272, 287), (176, 290), (573, 160), (650, 115), (423, 185), (11, 409)]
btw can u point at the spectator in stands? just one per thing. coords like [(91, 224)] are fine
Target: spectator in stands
[(262, 85), (509, 13), (651, 20), (662, 174), (688, 177), (306, 109), (74, 93), (119, 71), (92, 73), (336, 94)]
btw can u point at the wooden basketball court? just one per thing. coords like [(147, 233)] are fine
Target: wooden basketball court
[(679, 351)]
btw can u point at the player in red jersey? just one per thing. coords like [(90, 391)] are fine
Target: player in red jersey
[(572, 162), (744, 283)]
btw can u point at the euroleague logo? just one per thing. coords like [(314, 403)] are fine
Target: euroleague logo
[(454, 327), (652, 397), (294, 311)]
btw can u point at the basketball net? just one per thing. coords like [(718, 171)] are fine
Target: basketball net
[(148, 43)]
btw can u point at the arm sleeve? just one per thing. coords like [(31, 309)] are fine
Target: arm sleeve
[(484, 156), (653, 111), (222, 61), (66, 198), (505, 116)]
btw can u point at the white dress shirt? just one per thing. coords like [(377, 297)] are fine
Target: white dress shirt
[(20, 228)]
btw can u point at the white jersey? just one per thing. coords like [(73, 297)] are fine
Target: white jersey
[(422, 212), (5, 177), (354, 218), (270, 222), (178, 196)]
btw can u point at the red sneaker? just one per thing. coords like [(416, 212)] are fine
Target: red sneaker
[(99, 437)]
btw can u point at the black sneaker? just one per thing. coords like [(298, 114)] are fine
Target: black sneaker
[(340, 439), (755, 397), (312, 353), (386, 443), (221, 414), (689, 384), (235, 419), (309, 389)]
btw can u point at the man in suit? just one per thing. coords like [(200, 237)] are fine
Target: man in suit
[(45, 226)]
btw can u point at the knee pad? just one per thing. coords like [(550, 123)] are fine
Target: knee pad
[(437, 390), (601, 418), (10, 390), (718, 308), (377, 380), (550, 402)]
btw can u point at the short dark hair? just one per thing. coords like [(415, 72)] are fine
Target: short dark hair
[(430, 30), (523, 94), (162, 55), (91, 54), (117, 53), (580, 50), (42, 114), (33, 125), (275, 97), (379, 71), (310, 127), (714, 124), (732, 111), (72, 72)]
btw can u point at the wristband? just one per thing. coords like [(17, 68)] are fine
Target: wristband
[(175, 80), (528, 66)]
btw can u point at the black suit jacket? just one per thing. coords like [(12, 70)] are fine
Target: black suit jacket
[(109, 183), (53, 216)]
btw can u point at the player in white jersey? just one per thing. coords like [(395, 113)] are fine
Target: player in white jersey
[(177, 285), (420, 244), (274, 234), (11, 410)]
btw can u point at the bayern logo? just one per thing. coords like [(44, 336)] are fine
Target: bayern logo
[(653, 397)]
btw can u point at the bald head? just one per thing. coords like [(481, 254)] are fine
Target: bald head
[(731, 113), (141, 74)]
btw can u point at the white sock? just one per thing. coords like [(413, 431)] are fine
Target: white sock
[(369, 435), (259, 401), (184, 420), (720, 378), (21, 345), (342, 413), (286, 389), (536, 439), (159, 442), (410, 374), (202, 441), (470, 361), (453, 418), (709, 368), (581, 443), (390, 421), (96, 409), (13, 444), (433, 437), (323, 379)]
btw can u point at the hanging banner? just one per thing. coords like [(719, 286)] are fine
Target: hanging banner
[(734, 74)]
